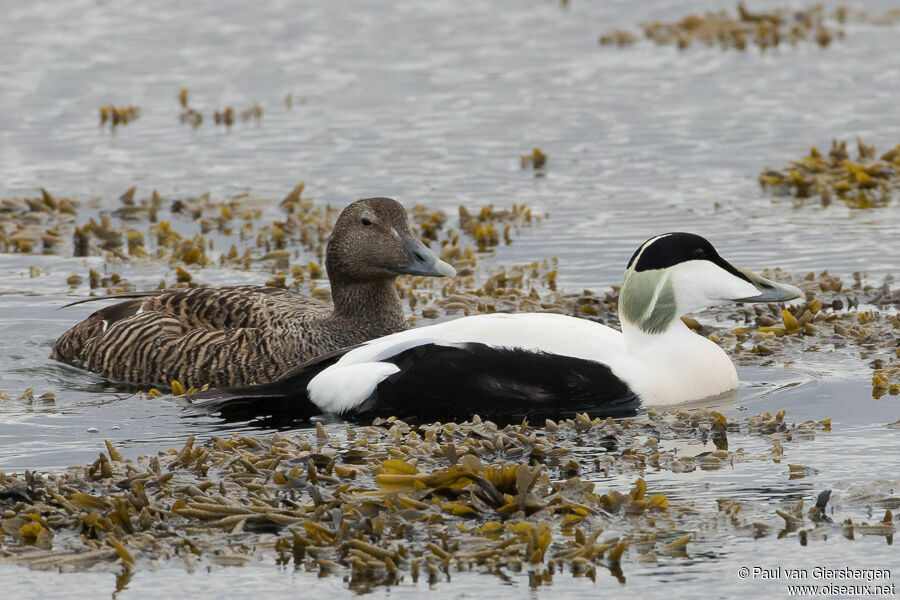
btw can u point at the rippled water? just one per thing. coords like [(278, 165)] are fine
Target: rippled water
[(433, 103)]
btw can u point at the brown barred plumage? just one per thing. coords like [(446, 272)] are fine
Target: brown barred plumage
[(239, 335)]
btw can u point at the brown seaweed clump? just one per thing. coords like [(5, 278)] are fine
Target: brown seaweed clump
[(530, 287), (153, 230), (858, 318), (792, 519), (118, 115), (618, 37), (224, 117), (36, 224), (537, 160), (194, 118), (227, 116), (254, 112), (866, 182), (189, 115), (737, 31), (386, 501), (485, 226), (476, 289)]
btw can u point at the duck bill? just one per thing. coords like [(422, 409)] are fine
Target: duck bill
[(422, 261), (770, 291)]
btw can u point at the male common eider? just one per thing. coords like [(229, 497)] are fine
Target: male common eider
[(247, 334), (509, 366)]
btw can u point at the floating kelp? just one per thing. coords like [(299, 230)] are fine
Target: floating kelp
[(618, 37), (192, 117), (859, 317), (793, 519), (536, 160), (484, 227), (377, 502), (118, 115), (28, 397), (153, 230), (868, 181), (189, 115), (36, 224), (288, 248), (738, 31), (254, 112), (43, 224), (226, 116), (290, 101)]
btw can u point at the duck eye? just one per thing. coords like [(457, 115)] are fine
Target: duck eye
[(366, 222), (699, 253)]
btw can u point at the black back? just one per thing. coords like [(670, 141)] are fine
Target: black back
[(679, 247)]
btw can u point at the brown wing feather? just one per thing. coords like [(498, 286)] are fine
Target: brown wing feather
[(236, 306), (122, 295), (217, 336), (154, 348)]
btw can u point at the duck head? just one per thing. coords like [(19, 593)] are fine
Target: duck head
[(673, 274), (372, 239)]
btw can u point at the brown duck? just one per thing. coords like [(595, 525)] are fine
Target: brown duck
[(238, 335)]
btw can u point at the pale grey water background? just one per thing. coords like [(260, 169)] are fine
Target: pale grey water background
[(433, 103)]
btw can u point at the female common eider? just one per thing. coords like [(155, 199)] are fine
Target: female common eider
[(510, 366), (247, 334)]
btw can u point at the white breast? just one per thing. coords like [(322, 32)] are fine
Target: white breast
[(677, 367)]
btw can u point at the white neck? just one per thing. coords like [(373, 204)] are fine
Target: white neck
[(637, 340), (676, 366)]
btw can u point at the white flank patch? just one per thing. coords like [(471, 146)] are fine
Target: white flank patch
[(341, 388), (105, 324)]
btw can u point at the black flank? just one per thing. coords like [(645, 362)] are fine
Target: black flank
[(501, 384)]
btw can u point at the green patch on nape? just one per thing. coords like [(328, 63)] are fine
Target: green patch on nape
[(636, 303), (664, 311)]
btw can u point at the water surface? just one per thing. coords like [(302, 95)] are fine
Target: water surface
[(434, 103)]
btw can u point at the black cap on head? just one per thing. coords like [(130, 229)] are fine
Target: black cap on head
[(677, 247)]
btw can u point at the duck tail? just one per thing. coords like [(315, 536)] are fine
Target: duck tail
[(274, 405), (281, 404)]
